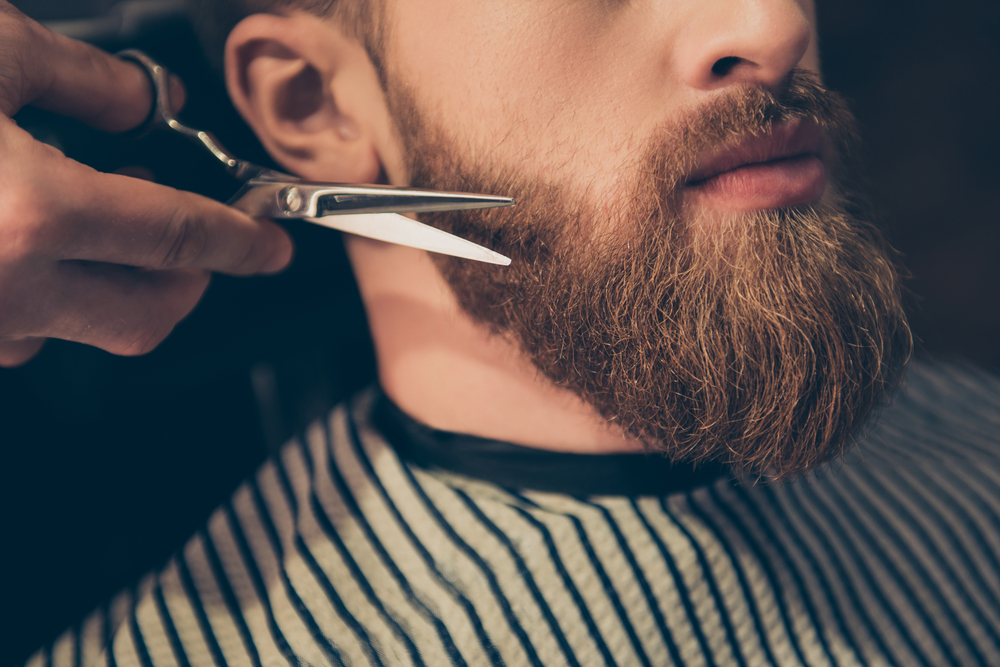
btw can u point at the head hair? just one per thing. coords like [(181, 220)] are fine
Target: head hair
[(213, 20)]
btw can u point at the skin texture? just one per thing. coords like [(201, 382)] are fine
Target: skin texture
[(563, 93), (101, 259)]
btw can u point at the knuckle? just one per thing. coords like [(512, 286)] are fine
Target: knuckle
[(30, 216), (247, 258), (26, 221), (159, 314), (184, 241), (142, 339), (145, 343)]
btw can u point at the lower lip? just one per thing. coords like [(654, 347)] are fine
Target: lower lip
[(775, 184)]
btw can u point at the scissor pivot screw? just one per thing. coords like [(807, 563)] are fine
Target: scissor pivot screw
[(291, 200)]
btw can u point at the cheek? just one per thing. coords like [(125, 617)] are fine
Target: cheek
[(527, 82), (488, 62)]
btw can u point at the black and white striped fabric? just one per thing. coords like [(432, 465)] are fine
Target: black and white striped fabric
[(338, 553)]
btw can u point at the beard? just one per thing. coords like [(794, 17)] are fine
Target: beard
[(763, 340)]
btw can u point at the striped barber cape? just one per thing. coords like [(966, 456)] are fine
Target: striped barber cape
[(343, 551)]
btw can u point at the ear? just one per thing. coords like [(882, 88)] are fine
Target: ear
[(311, 95)]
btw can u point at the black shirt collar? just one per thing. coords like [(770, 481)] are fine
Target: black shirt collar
[(518, 467)]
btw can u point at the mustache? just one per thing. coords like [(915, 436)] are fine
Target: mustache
[(673, 153)]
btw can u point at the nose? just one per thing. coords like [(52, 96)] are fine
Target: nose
[(743, 42)]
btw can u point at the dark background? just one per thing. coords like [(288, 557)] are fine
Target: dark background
[(110, 463)]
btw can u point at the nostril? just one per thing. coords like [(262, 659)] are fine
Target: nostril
[(724, 66)]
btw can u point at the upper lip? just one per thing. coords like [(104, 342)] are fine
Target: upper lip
[(792, 138)]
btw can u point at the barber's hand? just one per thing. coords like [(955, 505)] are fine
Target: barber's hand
[(102, 259)]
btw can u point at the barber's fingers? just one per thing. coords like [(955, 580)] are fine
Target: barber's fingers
[(120, 310), (65, 210), (69, 77), (17, 352), (124, 220)]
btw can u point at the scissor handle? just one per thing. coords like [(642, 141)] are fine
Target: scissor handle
[(162, 115), (272, 194)]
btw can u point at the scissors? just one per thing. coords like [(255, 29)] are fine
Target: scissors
[(364, 210)]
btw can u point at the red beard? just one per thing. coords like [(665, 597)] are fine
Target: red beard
[(765, 342)]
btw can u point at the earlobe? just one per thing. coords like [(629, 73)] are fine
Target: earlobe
[(291, 78)]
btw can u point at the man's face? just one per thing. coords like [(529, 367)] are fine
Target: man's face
[(570, 91), (687, 256)]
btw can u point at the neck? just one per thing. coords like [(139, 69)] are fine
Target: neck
[(450, 373)]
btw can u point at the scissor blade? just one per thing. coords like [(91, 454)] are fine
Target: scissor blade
[(398, 229), (284, 197), (347, 199)]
